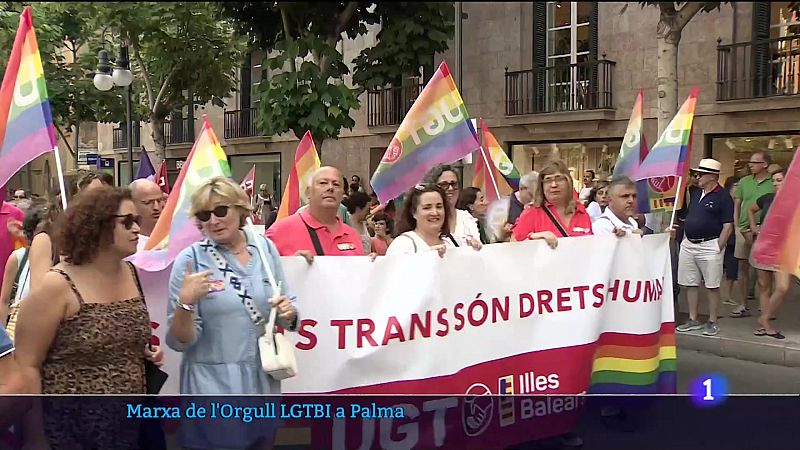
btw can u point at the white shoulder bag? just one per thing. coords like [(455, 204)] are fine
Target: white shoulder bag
[(277, 353)]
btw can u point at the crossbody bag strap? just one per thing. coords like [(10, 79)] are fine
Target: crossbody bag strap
[(232, 280), (20, 269), (314, 238), (555, 221)]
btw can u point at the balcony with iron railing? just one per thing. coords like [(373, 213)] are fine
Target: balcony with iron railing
[(760, 68), (178, 130), (388, 106), (242, 123), (120, 136), (568, 87)]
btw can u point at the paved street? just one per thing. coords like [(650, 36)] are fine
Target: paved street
[(744, 377)]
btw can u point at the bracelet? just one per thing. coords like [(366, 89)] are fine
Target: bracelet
[(189, 308)]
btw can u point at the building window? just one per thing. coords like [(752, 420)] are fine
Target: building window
[(734, 151), (599, 156), (566, 54), (567, 32)]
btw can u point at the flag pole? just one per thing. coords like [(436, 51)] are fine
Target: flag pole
[(60, 172), (490, 171), (675, 205)]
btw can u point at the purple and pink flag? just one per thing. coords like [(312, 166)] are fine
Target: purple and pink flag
[(26, 123), (778, 244), (436, 130)]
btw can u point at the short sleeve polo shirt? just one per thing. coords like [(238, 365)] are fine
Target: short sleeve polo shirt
[(708, 213)]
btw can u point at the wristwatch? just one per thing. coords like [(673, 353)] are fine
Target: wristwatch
[(189, 308)]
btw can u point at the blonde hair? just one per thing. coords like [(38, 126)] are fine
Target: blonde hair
[(222, 188), (554, 168)]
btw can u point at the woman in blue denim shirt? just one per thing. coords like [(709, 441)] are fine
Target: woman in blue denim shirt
[(217, 289)]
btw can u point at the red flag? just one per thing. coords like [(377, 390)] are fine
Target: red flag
[(249, 181), (306, 161), (161, 178)]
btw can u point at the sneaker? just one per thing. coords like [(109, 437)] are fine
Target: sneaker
[(730, 302), (690, 325), (740, 311), (711, 329)]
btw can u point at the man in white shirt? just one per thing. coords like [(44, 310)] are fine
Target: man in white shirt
[(618, 217)]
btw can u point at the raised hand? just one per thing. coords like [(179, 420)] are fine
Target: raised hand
[(195, 285)]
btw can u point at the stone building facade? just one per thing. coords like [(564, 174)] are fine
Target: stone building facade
[(551, 79)]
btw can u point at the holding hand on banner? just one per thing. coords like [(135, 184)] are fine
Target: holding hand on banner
[(548, 237)]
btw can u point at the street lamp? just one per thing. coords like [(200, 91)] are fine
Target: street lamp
[(121, 76)]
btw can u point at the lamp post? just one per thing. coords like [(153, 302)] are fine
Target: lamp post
[(122, 76)]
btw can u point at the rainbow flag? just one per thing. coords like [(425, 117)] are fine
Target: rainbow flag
[(778, 244), (436, 130), (175, 230), (636, 363), (26, 123), (498, 178), (633, 151), (670, 155), (306, 161)]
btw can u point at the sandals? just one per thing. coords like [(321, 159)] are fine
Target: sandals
[(763, 332)]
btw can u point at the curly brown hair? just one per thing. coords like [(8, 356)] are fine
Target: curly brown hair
[(88, 224)]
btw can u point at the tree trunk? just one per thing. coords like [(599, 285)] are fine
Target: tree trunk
[(667, 79), (159, 140)]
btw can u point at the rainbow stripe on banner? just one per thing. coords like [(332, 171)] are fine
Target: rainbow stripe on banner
[(778, 244), (175, 230), (636, 363), (436, 130), (26, 123), (670, 155)]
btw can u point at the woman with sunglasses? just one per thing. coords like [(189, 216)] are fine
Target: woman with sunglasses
[(555, 212), (463, 228), (423, 223), (219, 300), (84, 329)]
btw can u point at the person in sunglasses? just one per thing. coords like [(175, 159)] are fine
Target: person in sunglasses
[(85, 328), (318, 230), (219, 299)]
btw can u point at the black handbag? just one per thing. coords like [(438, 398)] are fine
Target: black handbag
[(154, 377)]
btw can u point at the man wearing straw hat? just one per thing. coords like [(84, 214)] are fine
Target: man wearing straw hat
[(708, 226)]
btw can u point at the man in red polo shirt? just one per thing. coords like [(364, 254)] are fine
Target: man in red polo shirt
[(318, 230)]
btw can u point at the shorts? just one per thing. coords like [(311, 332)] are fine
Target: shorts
[(729, 262), (743, 246), (698, 262)]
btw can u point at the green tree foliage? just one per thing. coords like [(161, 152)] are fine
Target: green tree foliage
[(179, 51), (302, 39)]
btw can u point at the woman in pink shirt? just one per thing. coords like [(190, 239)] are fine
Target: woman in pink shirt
[(555, 212)]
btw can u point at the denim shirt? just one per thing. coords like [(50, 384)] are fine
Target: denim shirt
[(223, 357)]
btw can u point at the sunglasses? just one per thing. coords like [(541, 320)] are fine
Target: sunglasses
[(448, 185), (129, 219), (219, 211)]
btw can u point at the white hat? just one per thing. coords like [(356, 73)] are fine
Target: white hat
[(709, 166)]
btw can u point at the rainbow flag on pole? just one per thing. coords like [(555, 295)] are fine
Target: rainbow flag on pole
[(436, 130), (670, 155), (495, 174), (306, 161), (26, 123), (175, 230), (633, 151), (778, 244)]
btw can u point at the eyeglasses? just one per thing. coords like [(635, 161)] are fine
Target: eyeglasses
[(129, 219), (219, 211), (19, 197), (756, 162), (554, 179), (445, 185)]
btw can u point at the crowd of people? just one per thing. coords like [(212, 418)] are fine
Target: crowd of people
[(74, 308)]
